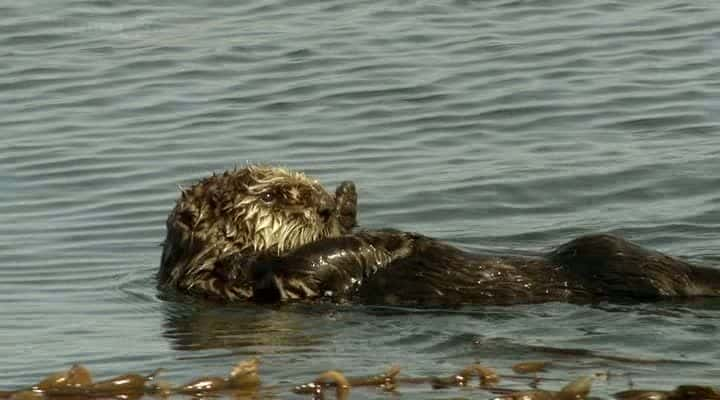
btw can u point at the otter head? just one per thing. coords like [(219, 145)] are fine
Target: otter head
[(277, 210), (224, 220)]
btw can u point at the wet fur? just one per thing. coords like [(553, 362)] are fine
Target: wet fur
[(401, 268), (224, 241), (220, 225)]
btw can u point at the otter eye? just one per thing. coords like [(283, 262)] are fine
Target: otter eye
[(267, 197)]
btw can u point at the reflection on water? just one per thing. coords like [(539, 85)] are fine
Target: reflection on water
[(246, 329), (497, 125), (302, 340)]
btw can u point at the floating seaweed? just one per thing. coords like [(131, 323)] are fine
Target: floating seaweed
[(682, 392), (575, 390), (244, 375), (487, 377), (77, 383), (75, 377), (342, 384)]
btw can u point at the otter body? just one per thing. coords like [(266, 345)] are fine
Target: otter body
[(228, 239), (392, 267)]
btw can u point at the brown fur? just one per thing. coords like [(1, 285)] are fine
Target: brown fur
[(394, 267), (221, 224), (267, 234)]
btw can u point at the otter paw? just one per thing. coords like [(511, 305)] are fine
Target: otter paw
[(346, 205)]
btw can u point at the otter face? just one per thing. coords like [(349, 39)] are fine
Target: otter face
[(282, 210)]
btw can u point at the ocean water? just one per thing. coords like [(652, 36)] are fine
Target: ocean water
[(505, 125)]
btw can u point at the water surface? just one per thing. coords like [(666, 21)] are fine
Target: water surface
[(497, 125)]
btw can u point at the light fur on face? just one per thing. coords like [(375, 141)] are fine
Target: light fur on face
[(292, 219)]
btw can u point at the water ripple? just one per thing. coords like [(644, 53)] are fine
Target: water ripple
[(495, 125)]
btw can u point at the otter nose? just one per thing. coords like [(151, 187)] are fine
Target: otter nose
[(325, 208)]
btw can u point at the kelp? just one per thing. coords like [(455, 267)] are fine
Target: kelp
[(243, 381)]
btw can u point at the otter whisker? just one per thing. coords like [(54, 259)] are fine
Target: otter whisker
[(264, 223)]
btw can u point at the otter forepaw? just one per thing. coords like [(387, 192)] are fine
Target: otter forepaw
[(346, 205)]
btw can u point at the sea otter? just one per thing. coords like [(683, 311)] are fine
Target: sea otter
[(267, 234)]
